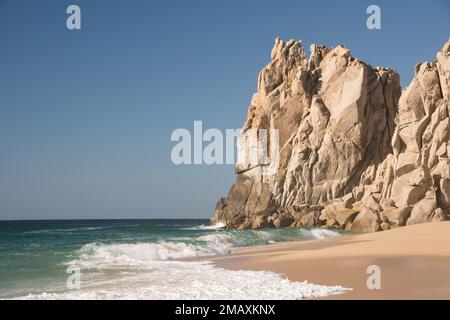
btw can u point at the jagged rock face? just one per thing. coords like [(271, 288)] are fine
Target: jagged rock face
[(354, 153), (335, 118), (413, 184)]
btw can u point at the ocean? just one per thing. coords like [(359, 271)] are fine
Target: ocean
[(139, 259)]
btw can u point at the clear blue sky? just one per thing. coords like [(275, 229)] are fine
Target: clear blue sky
[(86, 116)]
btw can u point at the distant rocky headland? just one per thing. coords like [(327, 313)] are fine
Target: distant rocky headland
[(356, 153)]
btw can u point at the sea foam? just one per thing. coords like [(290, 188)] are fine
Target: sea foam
[(324, 233), (148, 271), (193, 280), (207, 228), (98, 255)]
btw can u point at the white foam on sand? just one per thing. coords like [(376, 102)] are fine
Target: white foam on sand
[(192, 280), (146, 271)]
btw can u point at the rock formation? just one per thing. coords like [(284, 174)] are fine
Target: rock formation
[(355, 152)]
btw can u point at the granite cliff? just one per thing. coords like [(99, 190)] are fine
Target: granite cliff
[(355, 152)]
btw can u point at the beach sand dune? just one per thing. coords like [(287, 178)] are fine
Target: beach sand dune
[(414, 262)]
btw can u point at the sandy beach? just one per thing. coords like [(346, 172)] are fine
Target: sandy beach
[(414, 262)]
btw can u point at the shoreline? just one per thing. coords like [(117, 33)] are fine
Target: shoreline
[(414, 262)]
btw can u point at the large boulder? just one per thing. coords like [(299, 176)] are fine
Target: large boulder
[(367, 220), (396, 217)]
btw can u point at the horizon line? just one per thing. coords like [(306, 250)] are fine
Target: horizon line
[(99, 219)]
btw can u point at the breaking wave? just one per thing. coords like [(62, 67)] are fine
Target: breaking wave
[(162, 270), (324, 233), (98, 255), (207, 228)]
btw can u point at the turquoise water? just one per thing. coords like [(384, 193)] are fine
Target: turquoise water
[(35, 255)]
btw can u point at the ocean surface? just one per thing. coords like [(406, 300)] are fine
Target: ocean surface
[(139, 259)]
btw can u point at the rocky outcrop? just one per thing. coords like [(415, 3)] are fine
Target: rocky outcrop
[(412, 185), (354, 152)]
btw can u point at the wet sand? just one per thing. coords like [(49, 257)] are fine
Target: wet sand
[(414, 262)]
